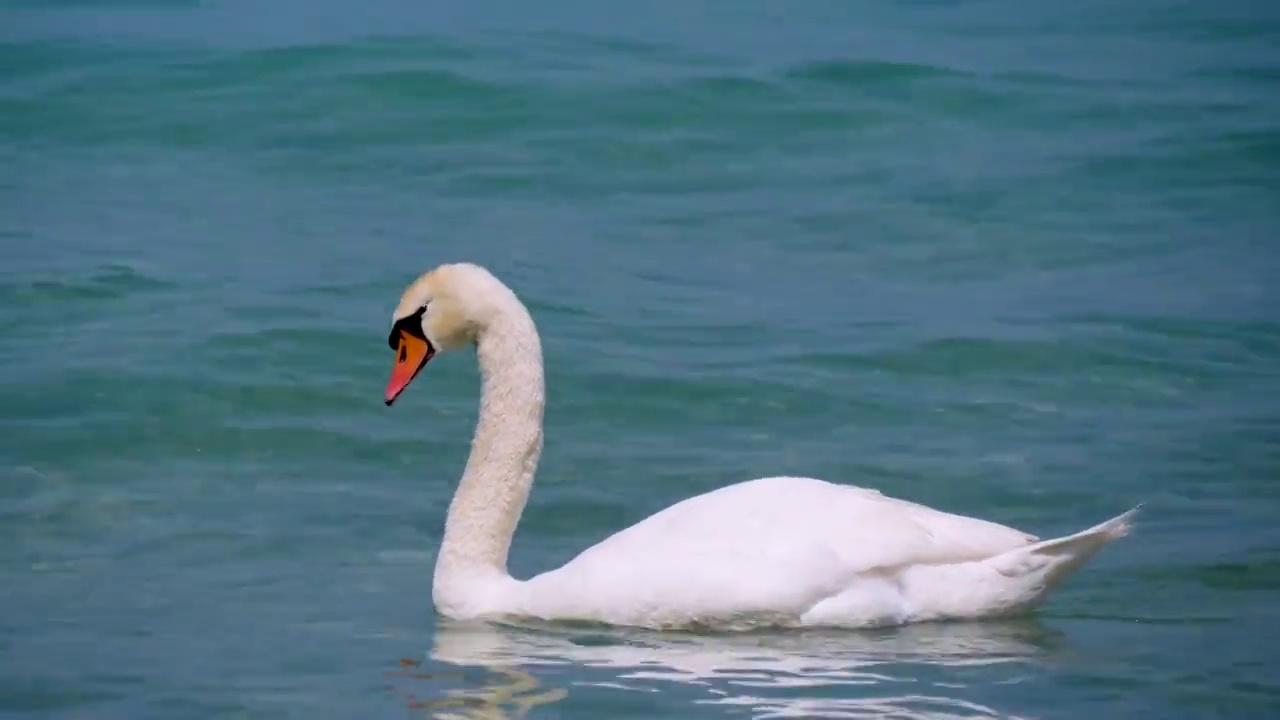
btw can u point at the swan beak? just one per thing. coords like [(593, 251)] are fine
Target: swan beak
[(411, 356)]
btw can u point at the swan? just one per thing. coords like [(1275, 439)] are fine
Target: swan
[(772, 552)]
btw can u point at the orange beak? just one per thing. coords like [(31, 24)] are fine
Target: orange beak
[(411, 356)]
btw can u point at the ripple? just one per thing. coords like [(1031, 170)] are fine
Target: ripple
[(112, 281), (23, 695), (850, 675), (1241, 577), (854, 75)]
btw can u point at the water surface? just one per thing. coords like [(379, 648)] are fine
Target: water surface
[(1007, 259)]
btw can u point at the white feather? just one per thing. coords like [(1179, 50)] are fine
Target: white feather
[(780, 551)]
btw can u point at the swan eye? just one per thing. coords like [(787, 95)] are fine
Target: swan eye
[(410, 324)]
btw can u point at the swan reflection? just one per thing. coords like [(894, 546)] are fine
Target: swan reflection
[(920, 671)]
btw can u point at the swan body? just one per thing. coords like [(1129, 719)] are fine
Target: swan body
[(779, 551)]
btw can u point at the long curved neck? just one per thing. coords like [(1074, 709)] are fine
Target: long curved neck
[(504, 456)]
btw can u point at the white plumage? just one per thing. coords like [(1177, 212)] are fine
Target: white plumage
[(781, 551)]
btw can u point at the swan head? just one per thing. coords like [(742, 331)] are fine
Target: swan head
[(444, 309)]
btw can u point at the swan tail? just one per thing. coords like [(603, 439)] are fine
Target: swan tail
[(1012, 582), (1036, 570), (1046, 564)]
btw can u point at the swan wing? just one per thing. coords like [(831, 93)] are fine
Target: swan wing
[(767, 548)]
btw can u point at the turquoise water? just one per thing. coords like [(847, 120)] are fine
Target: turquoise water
[(1010, 259)]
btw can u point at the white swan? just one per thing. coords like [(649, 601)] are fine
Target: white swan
[(781, 551)]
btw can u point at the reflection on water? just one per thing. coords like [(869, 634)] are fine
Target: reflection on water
[(505, 693), (922, 671)]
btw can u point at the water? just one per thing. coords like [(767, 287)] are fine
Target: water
[(1008, 259)]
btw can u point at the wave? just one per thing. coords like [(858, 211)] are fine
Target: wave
[(112, 281)]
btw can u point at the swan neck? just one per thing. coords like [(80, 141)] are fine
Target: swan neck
[(504, 456)]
